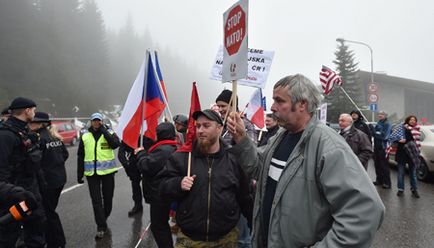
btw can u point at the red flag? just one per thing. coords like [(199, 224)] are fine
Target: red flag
[(148, 104), (191, 131), (328, 79)]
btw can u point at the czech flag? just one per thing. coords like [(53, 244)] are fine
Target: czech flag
[(255, 111), (145, 99)]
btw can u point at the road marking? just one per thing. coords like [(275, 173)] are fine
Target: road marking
[(78, 185)]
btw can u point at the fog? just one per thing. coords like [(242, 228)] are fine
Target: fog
[(89, 57)]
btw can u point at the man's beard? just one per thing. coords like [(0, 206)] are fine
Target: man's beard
[(204, 145)]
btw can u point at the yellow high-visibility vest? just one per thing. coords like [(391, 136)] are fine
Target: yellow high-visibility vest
[(104, 163)]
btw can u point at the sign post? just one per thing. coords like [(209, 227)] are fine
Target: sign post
[(373, 98)]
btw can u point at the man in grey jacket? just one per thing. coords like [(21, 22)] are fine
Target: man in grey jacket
[(312, 189)]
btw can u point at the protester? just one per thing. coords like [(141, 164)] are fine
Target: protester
[(222, 102), (311, 190), (128, 160), (357, 139), (181, 124), (54, 155), (359, 123), (151, 163), (211, 198), (96, 161), (272, 127), (19, 165), (407, 136), (381, 134)]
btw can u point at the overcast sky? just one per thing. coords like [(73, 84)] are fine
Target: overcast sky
[(302, 33)]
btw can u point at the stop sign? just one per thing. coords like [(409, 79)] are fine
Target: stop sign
[(235, 30)]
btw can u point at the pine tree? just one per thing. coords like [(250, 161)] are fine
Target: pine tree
[(347, 69)]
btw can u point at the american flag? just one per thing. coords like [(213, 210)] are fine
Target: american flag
[(328, 79)]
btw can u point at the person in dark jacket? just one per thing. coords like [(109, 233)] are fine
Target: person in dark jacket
[(272, 127), (381, 134), (181, 125), (96, 161), (128, 160), (53, 178), (211, 197), (357, 139), (359, 123), (19, 165), (151, 163)]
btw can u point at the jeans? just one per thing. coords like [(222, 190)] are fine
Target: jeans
[(244, 238), (401, 174)]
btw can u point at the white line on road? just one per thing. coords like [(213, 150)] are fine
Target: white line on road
[(78, 185)]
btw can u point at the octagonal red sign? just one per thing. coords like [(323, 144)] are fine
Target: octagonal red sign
[(235, 30)]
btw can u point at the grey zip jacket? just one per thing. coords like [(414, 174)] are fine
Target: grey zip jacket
[(324, 197)]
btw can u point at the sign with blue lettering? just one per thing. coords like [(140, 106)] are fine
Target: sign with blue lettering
[(373, 107)]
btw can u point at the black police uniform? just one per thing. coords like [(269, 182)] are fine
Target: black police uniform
[(54, 174), (19, 165)]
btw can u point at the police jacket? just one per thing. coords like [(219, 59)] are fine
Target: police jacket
[(112, 143), (211, 209), (19, 156), (150, 164), (54, 155)]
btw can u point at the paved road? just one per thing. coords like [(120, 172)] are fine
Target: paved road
[(409, 222)]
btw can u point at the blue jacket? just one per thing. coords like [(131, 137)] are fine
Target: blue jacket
[(381, 134)]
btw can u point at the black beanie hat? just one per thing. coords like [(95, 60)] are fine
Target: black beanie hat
[(165, 131), (225, 96), (41, 117), (22, 103)]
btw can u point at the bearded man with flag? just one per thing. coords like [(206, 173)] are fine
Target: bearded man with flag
[(211, 198)]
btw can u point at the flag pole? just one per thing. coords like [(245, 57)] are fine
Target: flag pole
[(343, 90), (142, 131), (162, 92)]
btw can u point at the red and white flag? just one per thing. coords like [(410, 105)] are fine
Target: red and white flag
[(149, 105), (255, 111), (328, 79)]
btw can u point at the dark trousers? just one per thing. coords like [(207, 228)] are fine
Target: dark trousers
[(33, 230), (135, 177), (54, 231), (381, 166), (101, 190), (160, 224)]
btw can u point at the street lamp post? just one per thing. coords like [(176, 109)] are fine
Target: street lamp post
[(372, 60)]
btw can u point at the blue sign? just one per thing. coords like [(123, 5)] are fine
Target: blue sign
[(373, 107)]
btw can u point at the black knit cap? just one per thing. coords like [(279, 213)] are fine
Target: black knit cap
[(41, 117), (225, 96), (210, 114), (22, 103)]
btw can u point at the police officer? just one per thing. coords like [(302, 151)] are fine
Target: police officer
[(19, 164), (53, 176), (96, 161)]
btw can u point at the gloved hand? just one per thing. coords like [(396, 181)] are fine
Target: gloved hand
[(80, 180), (103, 128), (27, 197)]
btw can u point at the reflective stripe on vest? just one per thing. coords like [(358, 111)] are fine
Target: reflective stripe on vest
[(105, 157)]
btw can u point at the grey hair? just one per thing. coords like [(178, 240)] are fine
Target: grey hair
[(300, 88), (347, 116)]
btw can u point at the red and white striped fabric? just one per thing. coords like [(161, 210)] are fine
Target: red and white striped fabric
[(415, 131), (328, 79)]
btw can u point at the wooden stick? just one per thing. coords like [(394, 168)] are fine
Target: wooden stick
[(189, 165)]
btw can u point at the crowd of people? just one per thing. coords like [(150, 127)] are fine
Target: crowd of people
[(299, 184)]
